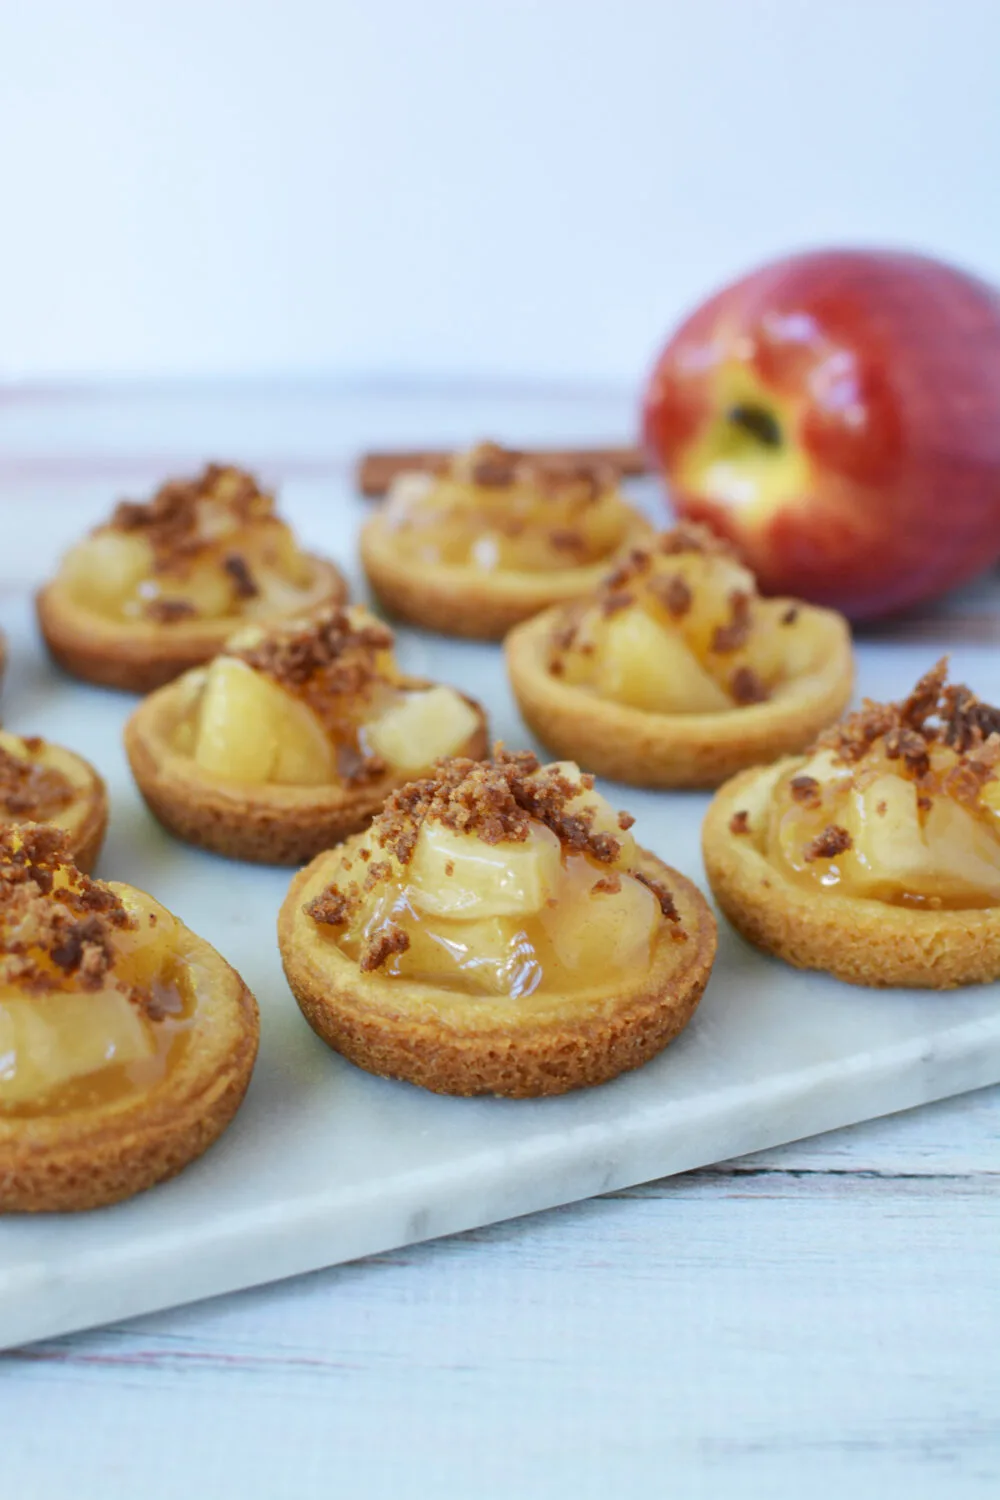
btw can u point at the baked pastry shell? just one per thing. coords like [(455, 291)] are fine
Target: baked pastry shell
[(856, 939), (91, 1157), (260, 824), (452, 1043), (676, 750), (137, 656), (465, 601)]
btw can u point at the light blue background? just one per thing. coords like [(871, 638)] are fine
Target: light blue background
[(461, 186)]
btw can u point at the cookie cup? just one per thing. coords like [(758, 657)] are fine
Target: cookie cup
[(676, 750), (259, 824), (100, 1155), (451, 1043), (137, 656), (466, 601), (856, 939)]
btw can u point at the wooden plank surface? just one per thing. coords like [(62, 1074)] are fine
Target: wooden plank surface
[(822, 1318)]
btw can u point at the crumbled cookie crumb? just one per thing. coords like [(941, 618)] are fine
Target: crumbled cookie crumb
[(169, 611), (832, 841), (805, 790), (238, 569), (608, 885), (746, 687), (673, 592), (790, 615), (739, 823), (664, 898), (736, 632), (171, 521), (30, 790), (383, 944), (49, 933)]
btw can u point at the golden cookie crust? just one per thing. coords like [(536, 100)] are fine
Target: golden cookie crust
[(856, 939), (137, 656), (463, 601), (96, 1156), (455, 1044), (273, 825), (674, 750)]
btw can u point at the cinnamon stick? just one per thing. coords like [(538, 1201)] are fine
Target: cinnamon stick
[(376, 471)]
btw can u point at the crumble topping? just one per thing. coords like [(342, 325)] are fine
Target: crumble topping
[(28, 789), (805, 789), (171, 520), (169, 611), (243, 580), (674, 593), (666, 901), (739, 823), (746, 687), (832, 841), (934, 714), (55, 923), (331, 663), (735, 633)]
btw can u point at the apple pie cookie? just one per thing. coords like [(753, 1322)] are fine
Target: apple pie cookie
[(126, 1043), (675, 672), (877, 855), (43, 783), (496, 931), (291, 739), (494, 538), (161, 586)]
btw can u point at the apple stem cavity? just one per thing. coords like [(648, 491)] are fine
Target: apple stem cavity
[(759, 422)]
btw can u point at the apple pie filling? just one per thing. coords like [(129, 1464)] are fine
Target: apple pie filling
[(899, 803), (497, 510), (680, 628), (32, 786), (319, 702), (95, 995), (203, 549), (501, 878)]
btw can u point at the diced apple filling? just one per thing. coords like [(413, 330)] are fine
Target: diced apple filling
[(247, 728), (54, 1039), (901, 846), (685, 633), (511, 918)]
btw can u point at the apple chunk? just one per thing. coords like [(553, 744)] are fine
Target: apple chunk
[(420, 727), (250, 730), (49, 1040), (646, 666), (454, 874)]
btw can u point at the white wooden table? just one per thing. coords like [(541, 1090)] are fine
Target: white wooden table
[(821, 1319)]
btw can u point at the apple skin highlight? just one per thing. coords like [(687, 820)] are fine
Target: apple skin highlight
[(837, 415)]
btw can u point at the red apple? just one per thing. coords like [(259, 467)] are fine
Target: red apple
[(837, 415)]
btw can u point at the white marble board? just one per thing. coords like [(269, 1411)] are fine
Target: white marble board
[(325, 1164)]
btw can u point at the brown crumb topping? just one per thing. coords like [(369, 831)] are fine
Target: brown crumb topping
[(331, 662), (805, 790), (791, 615), (832, 841), (664, 898), (243, 580), (673, 592), (735, 633), (172, 520), (608, 885), (169, 611), (739, 823), (934, 714), (388, 941), (55, 923), (31, 790), (691, 536), (746, 687)]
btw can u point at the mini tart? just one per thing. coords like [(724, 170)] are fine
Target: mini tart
[(163, 585), (43, 783), (493, 539), (676, 673), (290, 741), (877, 857), (111, 975), (507, 1033)]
